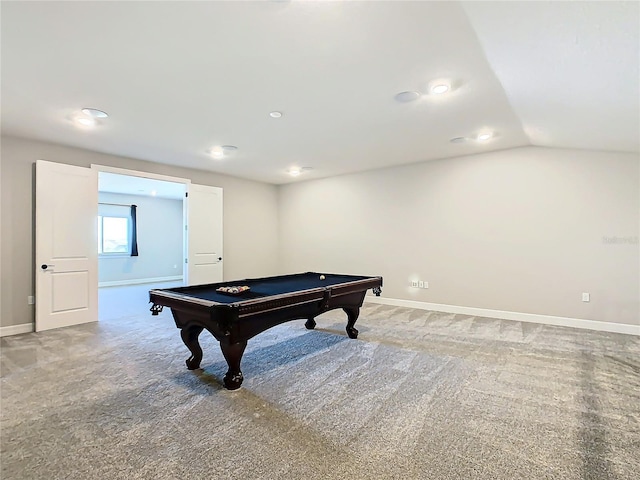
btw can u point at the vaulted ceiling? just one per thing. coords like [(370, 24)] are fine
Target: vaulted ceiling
[(180, 78)]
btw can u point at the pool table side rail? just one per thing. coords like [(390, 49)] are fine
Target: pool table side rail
[(159, 296), (276, 302), (265, 304)]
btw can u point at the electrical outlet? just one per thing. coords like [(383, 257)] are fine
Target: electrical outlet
[(414, 283), (586, 297), (31, 300), (420, 284)]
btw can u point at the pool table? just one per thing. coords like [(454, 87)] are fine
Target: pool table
[(235, 318)]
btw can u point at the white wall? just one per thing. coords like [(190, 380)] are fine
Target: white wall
[(250, 217), (160, 231), (1, 234), (522, 230)]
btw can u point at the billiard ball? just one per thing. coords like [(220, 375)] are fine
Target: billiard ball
[(321, 277)]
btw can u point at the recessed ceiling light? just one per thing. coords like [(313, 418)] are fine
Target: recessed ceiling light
[(220, 151), (440, 88), (296, 171), (275, 114), (153, 193), (94, 112), (483, 137), (216, 152), (86, 121), (405, 97), (442, 85)]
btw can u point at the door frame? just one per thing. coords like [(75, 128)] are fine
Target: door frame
[(166, 178)]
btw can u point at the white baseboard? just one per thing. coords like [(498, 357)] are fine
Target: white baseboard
[(16, 329), (140, 281), (517, 316)]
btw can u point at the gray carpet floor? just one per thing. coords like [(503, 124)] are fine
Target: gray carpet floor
[(419, 395)]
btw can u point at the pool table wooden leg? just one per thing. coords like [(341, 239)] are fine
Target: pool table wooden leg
[(233, 355), (352, 316), (190, 338)]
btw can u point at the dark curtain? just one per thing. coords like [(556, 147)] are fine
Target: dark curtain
[(134, 232)]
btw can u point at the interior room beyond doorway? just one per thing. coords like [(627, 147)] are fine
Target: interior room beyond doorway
[(143, 244)]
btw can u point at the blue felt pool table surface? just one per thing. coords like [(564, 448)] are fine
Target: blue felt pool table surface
[(265, 287)]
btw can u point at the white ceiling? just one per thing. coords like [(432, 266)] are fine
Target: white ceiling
[(180, 77)]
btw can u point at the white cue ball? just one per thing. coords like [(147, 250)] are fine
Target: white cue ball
[(321, 277)]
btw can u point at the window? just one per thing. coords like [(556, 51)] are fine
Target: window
[(113, 235)]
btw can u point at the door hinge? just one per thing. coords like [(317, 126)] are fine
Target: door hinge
[(186, 260)]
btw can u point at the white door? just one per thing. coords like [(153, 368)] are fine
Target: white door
[(204, 228), (66, 245)]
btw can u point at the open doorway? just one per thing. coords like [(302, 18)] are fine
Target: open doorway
[(67, 245), (141, 228), (141, 241)]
